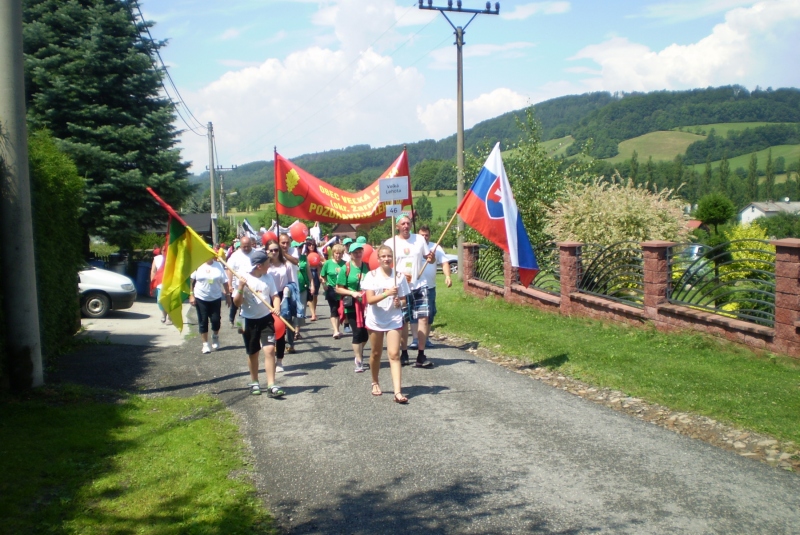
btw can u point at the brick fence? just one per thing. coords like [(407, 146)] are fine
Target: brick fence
[(784, 337)]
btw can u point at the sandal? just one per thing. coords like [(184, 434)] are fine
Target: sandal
[(400, 398), (298, 337), (336, 336), (376, 389)]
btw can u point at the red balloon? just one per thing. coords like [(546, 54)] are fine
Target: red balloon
[(368, 250), (374, 261), (280, 327), (314, 260), (268, 236), (298, 231)]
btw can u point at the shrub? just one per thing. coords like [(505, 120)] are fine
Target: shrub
[(610, 212)]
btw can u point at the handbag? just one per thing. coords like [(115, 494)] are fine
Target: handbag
[(347, 301)]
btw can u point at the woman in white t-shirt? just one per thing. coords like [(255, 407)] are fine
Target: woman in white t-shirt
[(386, 295), (209, 285)]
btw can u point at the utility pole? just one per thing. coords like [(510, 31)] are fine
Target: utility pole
[(459, 33), (214, 233), (222, 187), (20, 298)]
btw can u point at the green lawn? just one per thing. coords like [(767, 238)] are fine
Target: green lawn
[(660, 145), (790, 152), (683, 371), (722, 129), (77, 461)]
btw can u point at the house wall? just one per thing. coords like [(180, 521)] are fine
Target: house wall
[(783, 338), (750, 214)]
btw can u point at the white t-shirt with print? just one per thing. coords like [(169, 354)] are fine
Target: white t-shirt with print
[(410, 256), (239, 262), (210, 279), (384, 316), (252, 307)]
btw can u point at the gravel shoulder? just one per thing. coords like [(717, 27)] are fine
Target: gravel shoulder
[(480, 448)]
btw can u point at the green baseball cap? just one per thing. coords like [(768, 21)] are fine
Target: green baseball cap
[(355, 246), (361, 239)]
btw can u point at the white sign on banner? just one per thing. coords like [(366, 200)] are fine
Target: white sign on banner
[(394, 210), (393, 189)]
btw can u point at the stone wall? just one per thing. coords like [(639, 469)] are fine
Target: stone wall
[(784, 337)]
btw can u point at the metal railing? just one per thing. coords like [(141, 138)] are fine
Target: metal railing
[(549, 277), (734, 279), (614, 272), (489, 266)]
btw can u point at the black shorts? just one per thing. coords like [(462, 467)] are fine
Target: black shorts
[(258, 333), (360, 334)]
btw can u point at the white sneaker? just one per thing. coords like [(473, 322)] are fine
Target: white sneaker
[(278, 369), (414, 344), (206, 349), (215, 342)]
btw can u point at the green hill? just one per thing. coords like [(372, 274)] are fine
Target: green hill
[(658, 145)]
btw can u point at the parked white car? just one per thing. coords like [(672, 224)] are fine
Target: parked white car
[(452, 259), (101, 290)]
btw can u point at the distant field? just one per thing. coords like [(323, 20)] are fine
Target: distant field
[(722, 129), (791, 153), (558, 147), (663, 145)]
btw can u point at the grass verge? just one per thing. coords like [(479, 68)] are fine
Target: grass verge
[(683, 371), (76, 460)]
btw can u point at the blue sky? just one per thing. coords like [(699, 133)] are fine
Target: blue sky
[(308, 76)]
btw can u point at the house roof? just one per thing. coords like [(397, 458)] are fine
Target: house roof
[(773, 207)]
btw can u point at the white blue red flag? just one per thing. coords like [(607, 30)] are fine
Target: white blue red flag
[(489, 208)]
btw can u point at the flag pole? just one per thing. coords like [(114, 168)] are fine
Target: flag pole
[(394, 248), (275, 187), (174, 214), (441, 236), (410, 193)]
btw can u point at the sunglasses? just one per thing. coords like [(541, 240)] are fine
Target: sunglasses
[(273, 250)]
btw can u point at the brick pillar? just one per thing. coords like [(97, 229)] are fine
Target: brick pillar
[(570, 271), (656, 275), (787, 295), (470, 258), (509, 274)]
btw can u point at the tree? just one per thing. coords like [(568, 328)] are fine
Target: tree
[(752, 178), (90, 80), (705, 184), (781, 225), (634, 165), (423, 207), (724, 175), (714, 209), (769, 179), (649, 170)]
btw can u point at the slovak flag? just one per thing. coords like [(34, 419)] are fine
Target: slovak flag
[(489, 208)]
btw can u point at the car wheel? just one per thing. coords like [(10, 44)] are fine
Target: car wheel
[(454, 270), (95, 305)]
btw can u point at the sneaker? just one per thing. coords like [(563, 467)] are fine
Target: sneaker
[(168, 321), (347, 330), (414, 344), (359, 366), (278, 369), (206, 349), (423, 362), (215, 342), (233, 325), (404, 358), (291, 349), (428, 344), (255, 389), (275, 391)]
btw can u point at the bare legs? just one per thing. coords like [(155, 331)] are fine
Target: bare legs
[(393, 349), (269, 365)]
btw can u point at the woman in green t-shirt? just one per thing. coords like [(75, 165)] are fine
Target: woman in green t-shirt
[(348, 285), (328, 276)]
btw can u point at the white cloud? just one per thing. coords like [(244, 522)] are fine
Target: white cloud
[(683, 11), (445, 58), (524, 11), (439, 118), (754, 46), (230, 33)]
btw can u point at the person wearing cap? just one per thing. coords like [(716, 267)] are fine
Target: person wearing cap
[(305, 283), (291, 294), (259, 323), (314, 283), (361, 239), (328, 275), (429, 274), (348, 285), (411, 255)]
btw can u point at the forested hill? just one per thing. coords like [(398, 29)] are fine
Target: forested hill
[(606, 118), (637, 114)]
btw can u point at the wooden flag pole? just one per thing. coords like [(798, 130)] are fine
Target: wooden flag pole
[(394, 248), (440, 240)]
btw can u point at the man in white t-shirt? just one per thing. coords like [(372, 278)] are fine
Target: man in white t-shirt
[(429, 274), (237, 263), (410, 256)]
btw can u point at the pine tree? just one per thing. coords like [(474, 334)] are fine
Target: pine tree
[(649, 169), (769, 179), (752, 178), (634, 166), (91, 82), (705, 184), (724, 175)]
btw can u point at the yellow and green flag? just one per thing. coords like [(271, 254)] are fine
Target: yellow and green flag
[(185, 252)]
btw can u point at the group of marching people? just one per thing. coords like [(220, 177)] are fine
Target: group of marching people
[(372, 305)]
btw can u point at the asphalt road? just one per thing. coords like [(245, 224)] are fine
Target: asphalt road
[(478, 449)]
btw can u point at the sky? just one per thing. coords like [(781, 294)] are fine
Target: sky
[(308, 76)]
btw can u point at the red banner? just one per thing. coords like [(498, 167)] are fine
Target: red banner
[(301, 194)]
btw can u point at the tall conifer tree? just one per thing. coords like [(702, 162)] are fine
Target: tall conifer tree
[(91, 80), (752, 178), (769, 179)]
